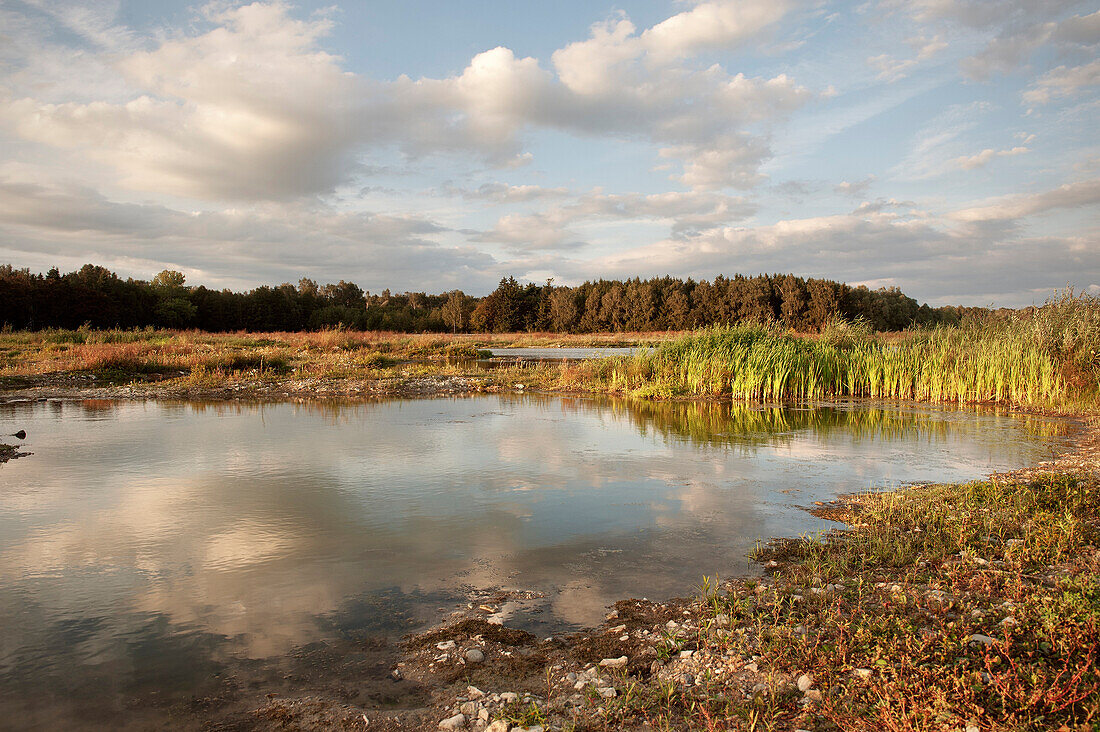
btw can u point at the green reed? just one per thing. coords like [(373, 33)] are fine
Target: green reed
[(1023, 359)]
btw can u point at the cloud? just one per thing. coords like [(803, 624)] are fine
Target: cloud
[(854, 188), (250, 110), (550, 229), (1063, 82), (927, 258), (504, 193), (980, 160), (1007, 208), (264, 243), (253, 109)]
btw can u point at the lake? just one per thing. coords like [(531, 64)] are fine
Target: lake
[(146, 547)]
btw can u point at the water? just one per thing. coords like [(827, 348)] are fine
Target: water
[(147, 549), (561, 354)]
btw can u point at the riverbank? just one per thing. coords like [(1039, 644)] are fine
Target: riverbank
[(951, 607), (938, 607)]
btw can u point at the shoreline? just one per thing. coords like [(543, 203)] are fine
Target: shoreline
[(608, 677)]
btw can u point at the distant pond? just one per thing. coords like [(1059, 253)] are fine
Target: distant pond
[(144, 545)]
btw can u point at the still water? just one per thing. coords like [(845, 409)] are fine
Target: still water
[(148, 543)]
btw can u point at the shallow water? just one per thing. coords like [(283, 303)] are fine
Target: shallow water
[(561, 354), (144, 545)]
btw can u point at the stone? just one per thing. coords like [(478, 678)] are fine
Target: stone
[(686, 654), (498, 726), (483, 714), (984, 640), (805, 681), (475, 656), (508, 697), (722, 621), (619, 662), (469, 708), (862, 673), (474, 693), (607, 692), (446, 645), (449, 724)]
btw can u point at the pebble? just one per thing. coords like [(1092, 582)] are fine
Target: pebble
[(474, 693), (469, 708), (475, 656), (619, 662), (805, 681), (508, 697), (445, 645), (863, 673), (498, 726), (985, 640), (458, 721), (607, 692)]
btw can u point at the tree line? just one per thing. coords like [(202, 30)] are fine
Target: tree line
[(99, 298)]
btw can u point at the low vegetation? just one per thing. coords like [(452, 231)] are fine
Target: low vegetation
[(943, 607), (1044, 357)]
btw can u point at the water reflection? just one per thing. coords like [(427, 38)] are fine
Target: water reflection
[(149, 544)]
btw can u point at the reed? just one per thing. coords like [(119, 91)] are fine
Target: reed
[(1041, 357)]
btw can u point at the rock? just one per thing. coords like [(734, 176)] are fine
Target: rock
[(458, 721), (498, 726), (973, 728), (508, 697), (813, 695), (619, 662), (483, 714), (752, 667), (475, 656), (805, 681), (1010, 621), (446, 645), (979, 639), (862, 673), (469, 708), (474, 693), (722, 621), (607, 692), (617, 629), (571, 677)]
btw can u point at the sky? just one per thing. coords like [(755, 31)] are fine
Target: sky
[(946, 147)]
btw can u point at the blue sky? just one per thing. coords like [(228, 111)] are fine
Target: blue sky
[(947, 148)]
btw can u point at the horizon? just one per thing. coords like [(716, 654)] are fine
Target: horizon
[(942, 148)]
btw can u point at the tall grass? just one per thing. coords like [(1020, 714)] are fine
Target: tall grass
[(1031, 358)]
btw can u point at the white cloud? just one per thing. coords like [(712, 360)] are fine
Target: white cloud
[(1006, 208), (249, 110), (55, 222), (1063, 82), (980, 160), (550, 229), (854, 188)]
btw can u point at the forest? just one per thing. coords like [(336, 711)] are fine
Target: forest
[(96, 297)]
